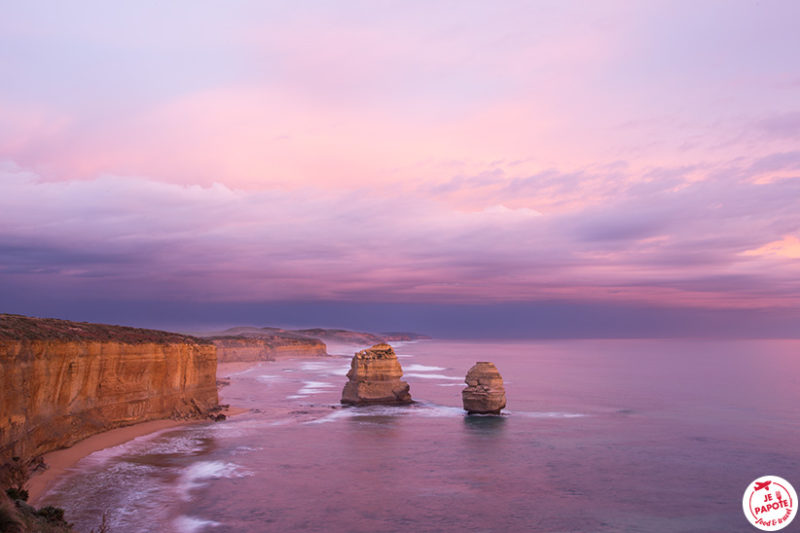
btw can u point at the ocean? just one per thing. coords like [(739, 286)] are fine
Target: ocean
[(598, 436)]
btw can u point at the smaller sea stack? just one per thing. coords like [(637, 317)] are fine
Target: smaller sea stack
[(485, 393), (374, 378)]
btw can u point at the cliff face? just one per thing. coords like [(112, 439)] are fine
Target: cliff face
[(266, 348), (62, 381), (484, 393), (293, 342)]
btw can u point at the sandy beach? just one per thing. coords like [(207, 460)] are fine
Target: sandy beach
[(60, 461)]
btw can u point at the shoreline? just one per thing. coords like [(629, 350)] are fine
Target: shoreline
[(59, 462)]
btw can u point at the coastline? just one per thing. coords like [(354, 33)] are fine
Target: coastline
[(59, 462)]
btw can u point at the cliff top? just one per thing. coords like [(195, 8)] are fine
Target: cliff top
[(328, 335), (19, 327), (271, 340), (379, 351)]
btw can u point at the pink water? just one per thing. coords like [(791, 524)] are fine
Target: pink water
[(599, 436)]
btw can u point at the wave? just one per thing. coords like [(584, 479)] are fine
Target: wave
[(195, 474), (428, 410), (416, 409), (190, 524), (151, 444), (432, 376), (311, 387), (423, 368), (332, 368)]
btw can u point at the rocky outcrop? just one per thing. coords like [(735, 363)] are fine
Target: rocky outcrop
[(278, 342), (19, 517), (62, 381), (485, 393), (266, 348), (374, 378), (343, 336)]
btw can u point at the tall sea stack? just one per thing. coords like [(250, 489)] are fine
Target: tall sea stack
[(485, 393), (374, 378)]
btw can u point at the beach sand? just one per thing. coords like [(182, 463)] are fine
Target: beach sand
[(60, 461)]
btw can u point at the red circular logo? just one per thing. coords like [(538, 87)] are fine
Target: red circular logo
[(770, 503)]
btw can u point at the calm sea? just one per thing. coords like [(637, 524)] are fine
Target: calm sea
[(599, 436)]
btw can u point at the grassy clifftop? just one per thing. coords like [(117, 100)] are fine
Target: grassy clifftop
[(19, 327)]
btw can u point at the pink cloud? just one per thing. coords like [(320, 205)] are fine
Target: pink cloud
[(506, 152), (146, 237)]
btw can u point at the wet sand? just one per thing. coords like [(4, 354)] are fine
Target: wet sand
[(60, 461)]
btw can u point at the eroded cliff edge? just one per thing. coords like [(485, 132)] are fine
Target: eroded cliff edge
[(265, 346), (63, 381), (247, 343)]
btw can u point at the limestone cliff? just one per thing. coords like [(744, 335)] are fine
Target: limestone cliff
[(266, 347), (374, 378), (63, 381), (485, 393), (249, 343)]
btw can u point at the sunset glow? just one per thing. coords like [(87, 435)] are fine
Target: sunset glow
[(460, 153)]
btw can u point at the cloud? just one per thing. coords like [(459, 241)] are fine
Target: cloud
[(700, 244), (788, 247), (784, 125), (401, 153)]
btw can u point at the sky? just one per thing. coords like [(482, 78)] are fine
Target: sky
[(543, 169)]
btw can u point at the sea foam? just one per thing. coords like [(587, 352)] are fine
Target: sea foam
[(191, 524), (432, 376), (196, 474), (414, 367)]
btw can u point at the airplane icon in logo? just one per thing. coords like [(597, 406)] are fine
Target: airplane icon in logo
[(764, 485)]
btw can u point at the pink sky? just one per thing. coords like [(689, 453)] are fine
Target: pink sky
[(450, 152)]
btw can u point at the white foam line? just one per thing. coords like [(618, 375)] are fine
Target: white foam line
[(548, 414), (178, 445), (423, 368), (426, 410), (196, 473), (311, 387), (190, 524), (333, 368), (432, 376)]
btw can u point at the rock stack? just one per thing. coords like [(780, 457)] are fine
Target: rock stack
[(485, 393), (374, 378)]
